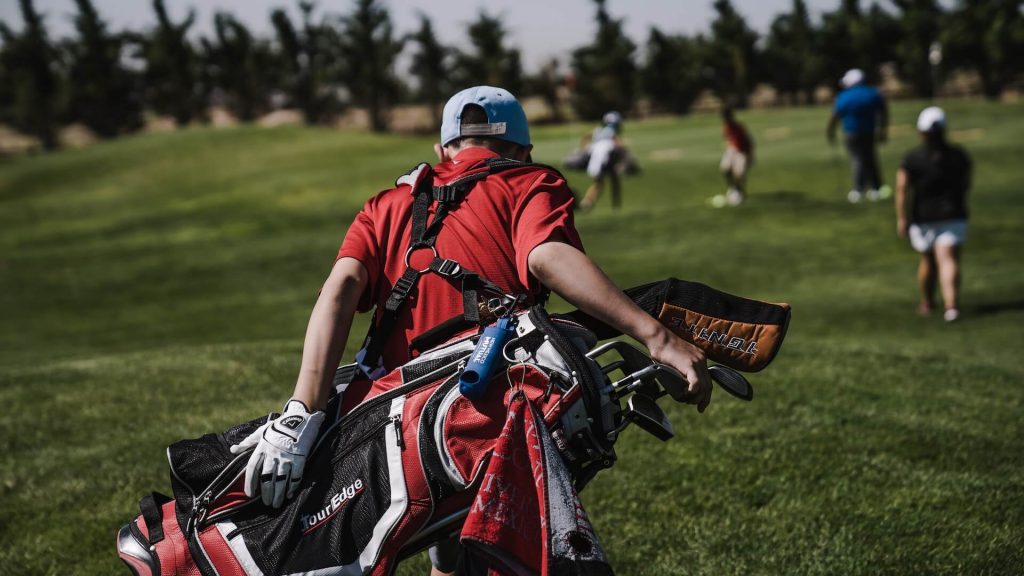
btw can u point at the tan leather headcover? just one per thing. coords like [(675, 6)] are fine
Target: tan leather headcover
[(741, 345)]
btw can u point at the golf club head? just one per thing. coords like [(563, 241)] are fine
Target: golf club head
[(732, 381), (645, 413)]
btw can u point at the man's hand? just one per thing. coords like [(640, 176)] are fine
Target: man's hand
[(576, 278), (282, 445), (689, 360)]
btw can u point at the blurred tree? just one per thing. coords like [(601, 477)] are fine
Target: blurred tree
[(605, 73), (851, 39), (793, 61), (173, 77), (369, 49), (491, 62), (987, 36), (307, 64), (102, 93), (546, 83), (431, 68), (241, 68), (32, 81), (731, 53), (919, 28), (672, 74)]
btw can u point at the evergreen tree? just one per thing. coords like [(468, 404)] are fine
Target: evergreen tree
[(919, 28), (431, 68), (605, 73), (370, 49), (852, 39), (731, 54), (987, 36), (792, 56), (241, 68), (546, 83), (172, 78), (29, 62), (102, 94), (306, 64), (671, 75), (491, 62)]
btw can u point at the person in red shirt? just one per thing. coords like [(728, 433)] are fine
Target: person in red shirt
[(736, 161), (514, 227)]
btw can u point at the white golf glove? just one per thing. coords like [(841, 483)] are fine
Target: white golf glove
[(282, 444)]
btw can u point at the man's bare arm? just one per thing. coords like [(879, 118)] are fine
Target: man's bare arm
[(901, 203), (883, 121), (327, 332), (573, 276), (830, 131)]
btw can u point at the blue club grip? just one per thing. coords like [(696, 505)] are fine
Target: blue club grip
[(485, 358)]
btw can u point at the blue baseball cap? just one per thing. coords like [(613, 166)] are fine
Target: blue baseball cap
[(506, 119)]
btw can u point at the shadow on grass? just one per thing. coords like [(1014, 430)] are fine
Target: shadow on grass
[(793, 198), (993, 308)]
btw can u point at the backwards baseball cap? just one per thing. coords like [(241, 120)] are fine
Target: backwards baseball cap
[(505, 117), (612, 118), (852, 77), (931, 118)]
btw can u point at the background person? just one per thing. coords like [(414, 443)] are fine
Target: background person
[(514, 228), (865, 117), (605, 152), (736, 160), (933, 214)]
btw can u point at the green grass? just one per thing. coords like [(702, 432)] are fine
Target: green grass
[(158, 287)]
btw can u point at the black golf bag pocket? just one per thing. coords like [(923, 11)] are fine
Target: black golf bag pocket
[(356, 481)]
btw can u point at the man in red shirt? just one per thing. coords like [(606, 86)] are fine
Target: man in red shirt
[(736, 161), (514, 228)]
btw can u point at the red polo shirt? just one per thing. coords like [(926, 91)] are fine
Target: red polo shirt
[(491, 232)]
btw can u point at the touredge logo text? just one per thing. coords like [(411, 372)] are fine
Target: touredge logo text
[(311, 522)]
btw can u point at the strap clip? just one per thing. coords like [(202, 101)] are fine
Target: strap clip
[(446, 267), (447, 193)]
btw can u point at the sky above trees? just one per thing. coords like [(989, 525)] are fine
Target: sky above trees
[(541, 29)]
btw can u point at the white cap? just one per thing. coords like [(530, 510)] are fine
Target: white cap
[(852, 77), (612, 118), (931, 118)]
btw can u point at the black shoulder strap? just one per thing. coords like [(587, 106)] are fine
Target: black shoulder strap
[(423, 236)]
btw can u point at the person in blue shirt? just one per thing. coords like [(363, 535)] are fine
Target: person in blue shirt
[(865, 117)]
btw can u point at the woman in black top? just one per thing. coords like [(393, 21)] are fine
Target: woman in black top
[(933, 214)]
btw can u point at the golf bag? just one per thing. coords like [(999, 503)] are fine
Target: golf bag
[(395, 459), (400, 460)]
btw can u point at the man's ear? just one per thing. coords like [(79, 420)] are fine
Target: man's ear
[(525, 153), (442, 152)]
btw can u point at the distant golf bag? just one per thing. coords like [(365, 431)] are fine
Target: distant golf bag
[(400, 460)]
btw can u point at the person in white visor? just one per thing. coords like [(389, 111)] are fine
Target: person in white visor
[(931, 210)]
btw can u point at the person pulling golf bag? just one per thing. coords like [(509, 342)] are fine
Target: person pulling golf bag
[(400, 461)]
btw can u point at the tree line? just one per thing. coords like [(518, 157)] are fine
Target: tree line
[(322, 63)]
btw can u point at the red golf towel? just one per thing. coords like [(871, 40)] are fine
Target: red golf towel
[(527, 518)]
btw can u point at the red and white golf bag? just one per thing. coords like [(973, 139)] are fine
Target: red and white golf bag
[(400, 461), (383, 472)]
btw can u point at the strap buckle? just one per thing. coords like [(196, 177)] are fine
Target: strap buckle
[(447, 193), (446, 267)]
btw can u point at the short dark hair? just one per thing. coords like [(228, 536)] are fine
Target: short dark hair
[(473, 114)]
